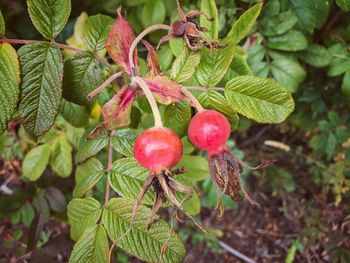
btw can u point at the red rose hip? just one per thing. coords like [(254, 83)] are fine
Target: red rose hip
[(209, 130), (157, 149)]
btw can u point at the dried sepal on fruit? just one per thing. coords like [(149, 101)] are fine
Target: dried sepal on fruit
[(209, 130), (188, 29)]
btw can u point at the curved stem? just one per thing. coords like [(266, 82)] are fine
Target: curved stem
[(95, 92), (151, 100), (204, 88), (109, 168), (139, 38), (192, 98)]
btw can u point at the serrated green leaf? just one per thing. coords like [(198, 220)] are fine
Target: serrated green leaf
[(123, 142), (2, 24), (61, 157), (263, 100), (208, 7), (92, 247), (291, 41), (244, 24), (82, 214), (316, 55), (288, 72), (82, 75), (177, 45), (95, 31), (75, 114), (330, 145), (177, 116), (41, 89), (88, 148), (49, 16), (344, 5), (196, 168), (127, 178), (9, 82), (36, 161), (144, 244), (87, 175), (278, 24), (215, 101), (185, 65), (153, 12), (214, 65)]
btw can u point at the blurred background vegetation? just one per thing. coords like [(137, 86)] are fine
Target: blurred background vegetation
[(304, 198)]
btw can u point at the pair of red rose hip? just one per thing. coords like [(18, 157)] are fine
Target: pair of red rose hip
[(161, 148)]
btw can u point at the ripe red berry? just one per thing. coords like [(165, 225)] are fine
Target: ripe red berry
[(157, 149), (209, 130)]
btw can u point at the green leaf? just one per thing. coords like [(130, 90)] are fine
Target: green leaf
[(75, 114), (240, 66), (177, 45), (263, 100), (41, 90), (345, 88), (123, 142), (9, 84), (27, 214), (214, 64), (244, 24), (196, 168), (2, 25), (82, 75), (192, 205), (278, 24), (153, 12), (177, 116), (61, 157), (88, 148), (312, 13), (49, 16), (341, 60), (56, 199), (36, 161), (344, 5), (95, 31), (147, 245), (165, 56), (185, 65), (331, 144), (92, 247), (316, 55), (127, 178), (256, 54), (208, 7), (291, 41), (87, 176), (82, 213), (288, 72), (215, 101)]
